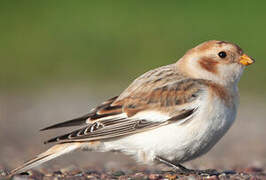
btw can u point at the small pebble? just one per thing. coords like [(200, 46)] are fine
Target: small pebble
[(223, 176), (123, 178), (58, 174), (3, 172), (192, 177), (139, 176), (252, 169), (25, 173), (154, 176), (253, 178), (171, 176), (229, 172), (212, 177), (91, 177), (118, 173), (91, 171)]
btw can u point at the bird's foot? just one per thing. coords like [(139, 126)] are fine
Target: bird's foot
[(182, 169), (207, 172)]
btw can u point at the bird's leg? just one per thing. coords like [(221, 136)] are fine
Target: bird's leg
[(185, 170), (178, 167)]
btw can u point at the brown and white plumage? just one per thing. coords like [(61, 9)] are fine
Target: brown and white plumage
[(178, 111)]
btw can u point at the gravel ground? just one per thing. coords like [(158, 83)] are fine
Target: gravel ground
[(251, 173), (242, 152)]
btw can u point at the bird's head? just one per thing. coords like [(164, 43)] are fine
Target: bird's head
[(219, 61)]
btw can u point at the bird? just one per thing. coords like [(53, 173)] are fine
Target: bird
[(170, 115)]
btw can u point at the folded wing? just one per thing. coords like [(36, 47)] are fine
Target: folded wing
[(140, 111)]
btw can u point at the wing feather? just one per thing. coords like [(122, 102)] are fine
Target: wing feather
[(173, 96), (128, 127)]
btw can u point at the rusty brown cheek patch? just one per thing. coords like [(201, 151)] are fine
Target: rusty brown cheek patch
[(209, 64)]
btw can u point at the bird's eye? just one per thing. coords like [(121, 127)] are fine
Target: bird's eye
[(222, 54)]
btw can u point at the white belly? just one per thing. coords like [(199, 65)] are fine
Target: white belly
[(179, 142)]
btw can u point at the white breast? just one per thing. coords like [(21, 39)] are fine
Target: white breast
[(180, 142)]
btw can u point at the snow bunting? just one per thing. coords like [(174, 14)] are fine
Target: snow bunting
[(171, 114)]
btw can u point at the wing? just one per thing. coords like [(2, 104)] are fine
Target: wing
[(120, 127), (155, 99)]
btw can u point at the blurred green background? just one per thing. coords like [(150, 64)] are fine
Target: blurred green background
[(59, 43)]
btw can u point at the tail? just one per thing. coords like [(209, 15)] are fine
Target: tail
[(53, 152)]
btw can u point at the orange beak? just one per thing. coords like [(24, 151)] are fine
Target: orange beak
[(246, 60)]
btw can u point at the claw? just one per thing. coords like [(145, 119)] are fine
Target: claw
[(208, 172)]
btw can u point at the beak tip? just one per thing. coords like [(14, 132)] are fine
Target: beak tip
[(246, 60)]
